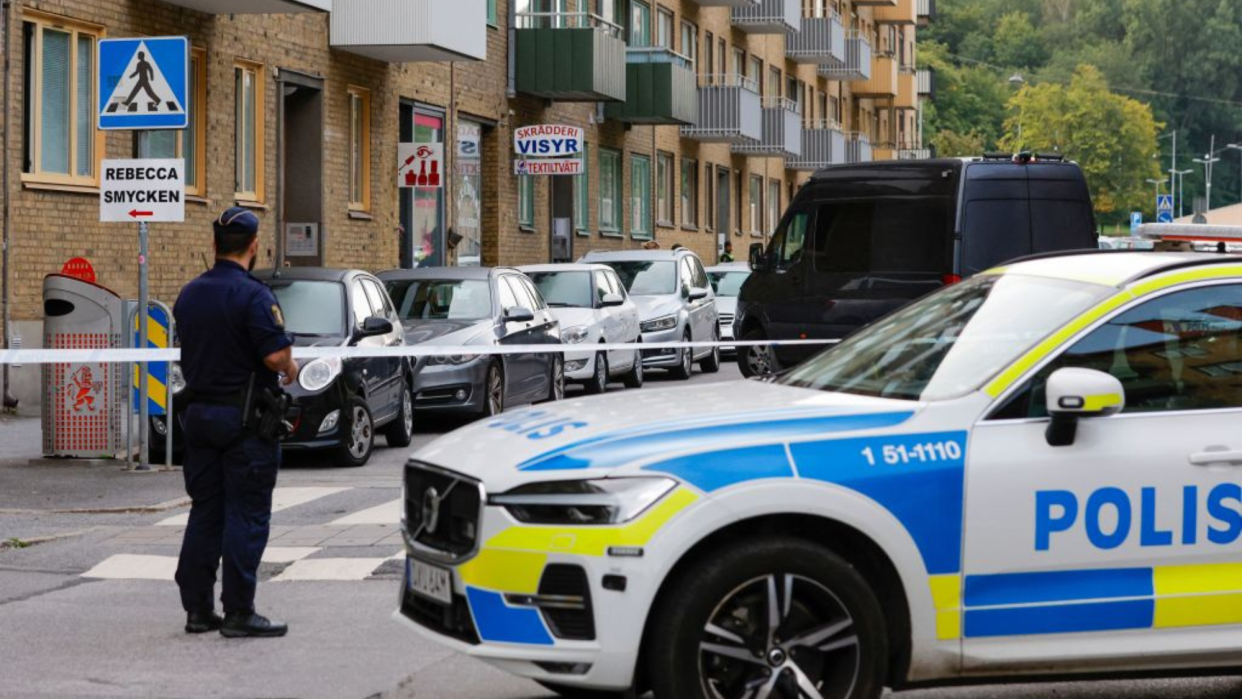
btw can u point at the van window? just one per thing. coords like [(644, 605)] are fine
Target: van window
[(904, 235), (995, 230), (787, 245)]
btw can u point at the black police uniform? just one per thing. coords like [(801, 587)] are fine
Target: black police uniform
[(227, 322)]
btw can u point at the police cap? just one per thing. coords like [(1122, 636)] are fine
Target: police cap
[(237, 221)]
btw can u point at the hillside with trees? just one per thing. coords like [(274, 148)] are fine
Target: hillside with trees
[(1104, 82)]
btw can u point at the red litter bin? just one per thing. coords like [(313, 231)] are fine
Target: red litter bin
[(83, 403)]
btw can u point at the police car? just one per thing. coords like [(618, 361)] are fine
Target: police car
[(1033, 472)]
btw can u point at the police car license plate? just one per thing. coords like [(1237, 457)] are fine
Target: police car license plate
[(431, 582)]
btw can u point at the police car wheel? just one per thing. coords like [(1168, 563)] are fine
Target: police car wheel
[(771, 617), (684, 368), (359, 437), (400, 432), (598, 383)]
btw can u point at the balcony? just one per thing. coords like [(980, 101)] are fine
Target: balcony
[(569, 57), (883, 81), (857, 65), (927, 82), (768, 17), (659, 89), (403, 31), (916, 153), (926, 12), (857, 148), (821, 40), (782, 130), (904, 12), (907, 89), (729, 111), (253, 7), (823, 144)]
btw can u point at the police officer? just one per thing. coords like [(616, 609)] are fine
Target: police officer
[(233, 348)]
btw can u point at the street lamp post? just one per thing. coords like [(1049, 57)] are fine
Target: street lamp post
[(1017, 81), (1157, 183), (1181, 190), (1238, 147), (1207, 161), (1172, 163)]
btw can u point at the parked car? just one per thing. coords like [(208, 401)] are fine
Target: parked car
[(593, 308), (477, 306), (338, 405), (727, 280), (675, 303), (859, 241)]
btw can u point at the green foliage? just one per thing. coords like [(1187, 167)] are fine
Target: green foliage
[(1016, 44)]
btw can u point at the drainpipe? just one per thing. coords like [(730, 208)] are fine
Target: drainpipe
[(281, 174), (10, 401), (511, 90)]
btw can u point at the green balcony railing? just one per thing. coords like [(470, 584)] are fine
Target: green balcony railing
[(660, 88), (570, 57)]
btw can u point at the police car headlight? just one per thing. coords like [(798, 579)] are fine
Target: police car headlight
[(176, 379), (453, 359), (319, 374), (664, 323), (575, 335), (604, 501)]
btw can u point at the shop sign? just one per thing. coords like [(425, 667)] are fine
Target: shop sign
[(558, 166), (421, 165), (548, 140)]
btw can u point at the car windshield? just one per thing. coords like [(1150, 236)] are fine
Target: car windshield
[(564, 289), (441, 299), (311, 308), (951, 342), (727, 283), (647, 278)]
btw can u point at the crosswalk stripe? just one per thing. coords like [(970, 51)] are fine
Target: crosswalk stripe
[(330, 569), (388, 513), (282, 499), (128, 566), (288, 554)]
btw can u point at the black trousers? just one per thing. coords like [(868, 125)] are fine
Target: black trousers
[(229, 476)]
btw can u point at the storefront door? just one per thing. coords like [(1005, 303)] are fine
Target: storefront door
[(422, 208)]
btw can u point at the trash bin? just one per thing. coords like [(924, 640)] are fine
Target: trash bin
[(83, 404)]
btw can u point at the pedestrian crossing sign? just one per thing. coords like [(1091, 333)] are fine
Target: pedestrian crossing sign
[(143, 83)]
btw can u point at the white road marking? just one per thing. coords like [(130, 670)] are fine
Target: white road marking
[(128, 566), (330, 569), (388, 513), (282, 499), (288, 554)]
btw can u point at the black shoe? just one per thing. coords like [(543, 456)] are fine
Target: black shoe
[(251, 626), (202, 622)]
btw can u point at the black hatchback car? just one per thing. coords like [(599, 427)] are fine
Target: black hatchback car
[(338, 406), (860, 241)]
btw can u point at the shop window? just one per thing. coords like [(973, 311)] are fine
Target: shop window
[(468, 192)]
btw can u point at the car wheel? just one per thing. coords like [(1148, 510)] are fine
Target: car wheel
[(757, 360), (359, 439), (771, 617), (634, 377), (494, 391), (711, 364), (598, 383), (685, 367), (556, 391), (582, 693), (401, 431)]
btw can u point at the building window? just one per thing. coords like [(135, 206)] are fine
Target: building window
[(582, 194), (609, 190), (756, 205), (664, 29), (756, 73), (190, 143), (640, 191), (359, 149), (62, 145), (709, 199), (738, 66), (640, 24), (664, 189), (248, 98), (526, 201), (491, 12), (689, 193), (774, 205), (690, 42), (709, 60), (468, 192)]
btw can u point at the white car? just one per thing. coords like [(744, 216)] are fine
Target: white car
[(594, 308), (727, 280), (1031, 473)]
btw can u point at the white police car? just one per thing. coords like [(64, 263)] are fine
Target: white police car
[(1035, 471)]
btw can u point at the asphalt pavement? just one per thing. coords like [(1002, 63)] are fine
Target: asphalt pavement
[(88, 607)]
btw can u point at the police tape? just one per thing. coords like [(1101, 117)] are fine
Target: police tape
[(129, 356)]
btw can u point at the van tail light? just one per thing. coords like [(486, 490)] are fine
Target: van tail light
[(951, 279)]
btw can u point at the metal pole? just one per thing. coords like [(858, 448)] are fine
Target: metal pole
[(1173, 167), (168, 378), (1211, 158), (6, 393), (144, 417)]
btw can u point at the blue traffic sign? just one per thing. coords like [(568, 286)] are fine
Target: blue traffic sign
[(1164, 208), (143, 83), (1136, 220)]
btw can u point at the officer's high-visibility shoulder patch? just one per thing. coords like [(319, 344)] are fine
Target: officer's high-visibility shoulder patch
[(278, 316)]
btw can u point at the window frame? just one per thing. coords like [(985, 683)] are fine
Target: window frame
[(665, 20), (526, 202), (772, 205), (582, 195), (611, 161), (689, 30), (640, 225), (755, 205), (710, 204), (666, 190), (643, 37), (361, 96), (33, 137), (260, 134), (689, 199)]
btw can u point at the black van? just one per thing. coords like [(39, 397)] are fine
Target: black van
[(861, 240)]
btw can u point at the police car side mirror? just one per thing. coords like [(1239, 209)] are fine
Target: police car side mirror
[(373, 327), (1074, 394)]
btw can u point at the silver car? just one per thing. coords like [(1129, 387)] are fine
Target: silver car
[(675, 304), (727, 280)]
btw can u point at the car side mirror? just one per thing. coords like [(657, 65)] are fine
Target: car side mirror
[(697, 294), (373, 327), (757, 262), (1074, 394), (518, 314), (612, 300)]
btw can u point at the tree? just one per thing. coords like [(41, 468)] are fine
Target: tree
[(1016, 44), (970, 102), (1112, 137)]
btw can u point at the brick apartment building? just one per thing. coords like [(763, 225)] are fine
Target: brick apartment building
[(701, 119)]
